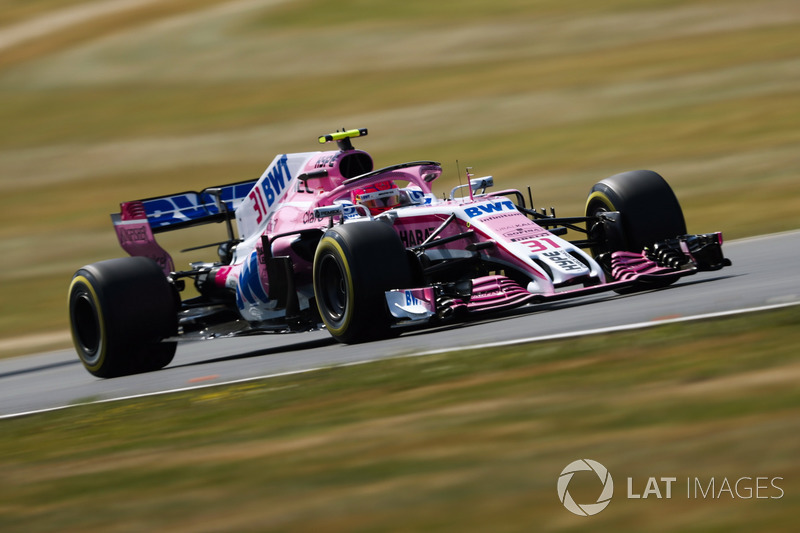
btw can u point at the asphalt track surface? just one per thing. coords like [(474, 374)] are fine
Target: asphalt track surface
[(765, 272)]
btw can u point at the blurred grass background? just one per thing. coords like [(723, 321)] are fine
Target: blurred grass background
[(109, 100)]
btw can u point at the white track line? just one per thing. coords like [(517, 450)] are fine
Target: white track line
[(613, 329), (527, 340)]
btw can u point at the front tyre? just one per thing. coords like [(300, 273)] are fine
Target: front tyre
[(648, 211), (119, 312), (353, 266)]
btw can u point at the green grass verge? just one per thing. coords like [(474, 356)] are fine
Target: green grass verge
[(466, 441)]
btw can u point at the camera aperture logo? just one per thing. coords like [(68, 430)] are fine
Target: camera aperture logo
[(585, 509)]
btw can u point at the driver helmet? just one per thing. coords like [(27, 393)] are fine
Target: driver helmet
[(378, 197)]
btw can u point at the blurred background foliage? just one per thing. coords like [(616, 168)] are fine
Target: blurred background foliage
[(104, 101)]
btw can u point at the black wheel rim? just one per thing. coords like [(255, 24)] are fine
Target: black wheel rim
[(334, 289), (595, 210), (86, 326)]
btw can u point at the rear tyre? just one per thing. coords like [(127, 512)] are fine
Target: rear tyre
[(119, 312), (353, 266), (648, 211)]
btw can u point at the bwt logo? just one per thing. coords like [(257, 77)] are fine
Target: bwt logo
[(489, 208), (586, 509)]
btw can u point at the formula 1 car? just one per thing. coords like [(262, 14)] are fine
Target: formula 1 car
[(322, 239)]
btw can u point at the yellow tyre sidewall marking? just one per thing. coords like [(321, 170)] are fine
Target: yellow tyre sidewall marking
[(348, 315), (101, 349), (601, 197)]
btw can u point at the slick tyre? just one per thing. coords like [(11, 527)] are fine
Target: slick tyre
[(119, 312), (354, 265), (648, 211)]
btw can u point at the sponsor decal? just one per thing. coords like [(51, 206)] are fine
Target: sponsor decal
[(414, 304), (411, 299), (188, 206), (507, 217), (413, 237), (556, 255), (489, 208), (564, 261), (521, 236), (326, 160), (349, 211), (309, 218), (417, 197), (270, 187), (256, 209), (249, 291), (514, 226), (132, 234)]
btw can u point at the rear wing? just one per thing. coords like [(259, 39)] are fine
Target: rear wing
[(139, 220), (186, 209)]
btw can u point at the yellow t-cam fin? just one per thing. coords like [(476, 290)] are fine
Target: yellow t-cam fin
[(341, 135)]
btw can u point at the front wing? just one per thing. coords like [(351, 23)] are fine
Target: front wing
[(656, 266)]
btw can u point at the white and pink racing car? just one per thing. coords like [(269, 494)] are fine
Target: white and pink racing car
[(323, 239)]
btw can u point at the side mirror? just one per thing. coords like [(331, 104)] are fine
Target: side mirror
[(481, 183)]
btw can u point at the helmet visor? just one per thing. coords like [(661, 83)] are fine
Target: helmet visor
[(380, 199)]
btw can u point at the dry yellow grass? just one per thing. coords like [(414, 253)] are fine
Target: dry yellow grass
[(467, 441)]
